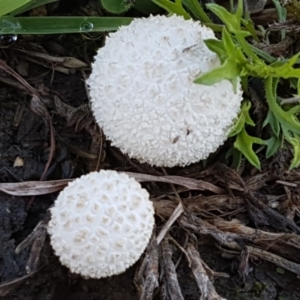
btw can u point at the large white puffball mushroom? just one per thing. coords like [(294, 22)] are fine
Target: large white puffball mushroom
[(101, 223), (144, 97)]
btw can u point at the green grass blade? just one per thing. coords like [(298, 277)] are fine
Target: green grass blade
[(7, 6), (60, 25)]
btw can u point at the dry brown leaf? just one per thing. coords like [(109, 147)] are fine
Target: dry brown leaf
[(189, 183), (175, 215), (33, 188), (8, 287), (68, 62)]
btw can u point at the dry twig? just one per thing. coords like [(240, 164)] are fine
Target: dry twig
[(172, 287), (205, 285), (146, 278)]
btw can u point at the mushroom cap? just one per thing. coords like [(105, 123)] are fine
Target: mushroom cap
[(101, 224), (144, 97)]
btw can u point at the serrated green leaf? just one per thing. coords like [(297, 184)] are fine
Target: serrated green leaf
[(233, 51), (238, 126), (244, 143), (228, 70), (283, 69), (243, 119), (244, 81), (237, 159), (229, 45), (217, 47), (229, 19), (287, 119), (195, 8), (239, 10), (273, 122), (273, 144), (248, 119), (250, 27), (295, 141), (234, 83), (252, 57)]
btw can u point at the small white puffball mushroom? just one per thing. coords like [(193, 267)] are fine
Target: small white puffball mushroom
[(101, 224), (144, 97)]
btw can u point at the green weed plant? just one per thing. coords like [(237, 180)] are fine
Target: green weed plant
[(240, 59)]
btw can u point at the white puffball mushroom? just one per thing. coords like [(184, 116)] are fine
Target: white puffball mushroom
[(101, 224), (144, 97)]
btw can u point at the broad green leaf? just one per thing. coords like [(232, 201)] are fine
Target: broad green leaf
[(173, 7), (59, 25), (244, 143), (273, 144), (8, 6), (116, 6), (295, 141), (195, 8), (31, 5)]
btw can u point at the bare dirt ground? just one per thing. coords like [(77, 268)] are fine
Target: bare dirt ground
[(243, 225)]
